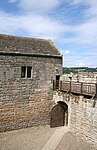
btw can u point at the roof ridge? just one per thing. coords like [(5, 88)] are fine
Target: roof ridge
[(23, 37)]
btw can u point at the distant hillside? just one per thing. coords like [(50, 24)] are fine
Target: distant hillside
[(78, 69)]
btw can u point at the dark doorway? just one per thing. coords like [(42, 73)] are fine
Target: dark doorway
[(59, 115), (57, 81)]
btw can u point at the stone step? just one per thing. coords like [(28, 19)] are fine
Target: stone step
[(55, 139)]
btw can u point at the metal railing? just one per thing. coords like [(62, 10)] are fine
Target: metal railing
[(76, 87)]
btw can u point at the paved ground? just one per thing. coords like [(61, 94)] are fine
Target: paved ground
[(41, 138), (26, 139), (70, 142), (55, 139)]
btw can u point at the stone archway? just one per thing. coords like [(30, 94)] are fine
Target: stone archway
[(59, 115)]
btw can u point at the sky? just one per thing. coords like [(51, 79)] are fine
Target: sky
[(70, 24)]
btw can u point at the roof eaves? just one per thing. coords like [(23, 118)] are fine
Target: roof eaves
[(28, 54)]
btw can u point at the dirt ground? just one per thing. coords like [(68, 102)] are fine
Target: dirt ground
[(35, 138)]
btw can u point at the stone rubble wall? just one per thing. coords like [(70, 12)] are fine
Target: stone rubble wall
[(82, 116), (26, 102)]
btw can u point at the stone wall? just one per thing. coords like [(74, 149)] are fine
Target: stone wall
[(26, 102), (82, 116), (87, 78)]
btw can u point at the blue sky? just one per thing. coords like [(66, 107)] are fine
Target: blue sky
[(71, 24)]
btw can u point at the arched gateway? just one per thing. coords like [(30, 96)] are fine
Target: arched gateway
[(59, 115)]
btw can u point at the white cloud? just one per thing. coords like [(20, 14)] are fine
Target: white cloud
[(81, 59), (38, 5), (66, 52), (84, 33), (9, 23), (75, 2), (41, 25), (31, 24), (73, 61), (81, 64), (36, 22), (84, 63), (12, 1), (92, 6)]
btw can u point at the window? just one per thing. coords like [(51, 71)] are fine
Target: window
[(23, 72), (29, 72), (26, 72)]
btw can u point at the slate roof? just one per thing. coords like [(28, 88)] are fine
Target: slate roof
[(25, 45)]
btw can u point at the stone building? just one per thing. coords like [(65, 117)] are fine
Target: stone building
[(27, 67)]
